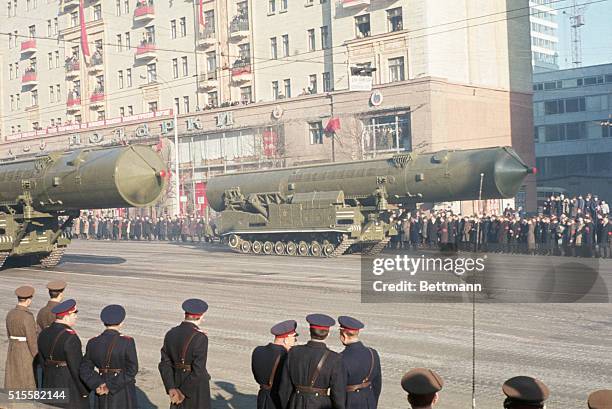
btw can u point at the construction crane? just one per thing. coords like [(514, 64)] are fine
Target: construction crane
[(576, 18)]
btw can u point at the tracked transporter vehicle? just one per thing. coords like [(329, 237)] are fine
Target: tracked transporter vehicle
[(40, 197), (325, 210)]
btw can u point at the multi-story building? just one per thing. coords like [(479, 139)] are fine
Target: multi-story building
[(573, 115), (544, 37), (256, 86)]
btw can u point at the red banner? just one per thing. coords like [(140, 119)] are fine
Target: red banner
[(202, 22), (84, 44)]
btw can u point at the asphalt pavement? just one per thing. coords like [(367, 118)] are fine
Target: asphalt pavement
[(566, 345)]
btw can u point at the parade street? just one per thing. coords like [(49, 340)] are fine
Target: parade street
[(567, 346)]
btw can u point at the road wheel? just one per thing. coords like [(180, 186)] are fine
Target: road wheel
[(279, 248), (257, 247), (315, 249), (268, 247), (303, 248), (245, 246), (291, 248), (234, 241), (328, 249)]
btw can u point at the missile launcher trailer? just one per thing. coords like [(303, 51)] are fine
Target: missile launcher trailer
[(35, 193), (325, 210)]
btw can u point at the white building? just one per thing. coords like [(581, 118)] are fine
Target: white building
[(544, 35)]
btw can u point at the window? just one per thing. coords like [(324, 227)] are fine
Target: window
[(246, 95), (97, 12), (74, 19), (173, 28), (275, 90), (78, 119), (213, 99), (183, 27), (126, 7), (177, 105), (311, 40), (121, 112), (312, 84), (152, 106), (120, 79), (175, 68), (150, 34), (394, 17), (283, 5), (49, 61), (55, 26), (271, 6), (34, 94), (101, 115), (12, 102), (211, 62), (57, 59), (244, 52), (32, 31), (209, 21), (58, 93), (151, 72), (18, 99), (324, 37), (118, 7), (99, 84), (362, 26), (51, 93), (119, 43), (128, 77), (396, 69), (35, 126), (10, 9), (10, 71), (49, 28), (273, 48), (185, 66), (186, 104), (286, 45), (127, 41), (315, 130), (387, 133), (130, 110), (10, 38), (287, 84)]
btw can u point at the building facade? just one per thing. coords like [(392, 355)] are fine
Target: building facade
[(544, 35), (255, 86), (573, 112)]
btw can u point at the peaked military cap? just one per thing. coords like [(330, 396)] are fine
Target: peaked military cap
[(320, 321), (350, 323), (56, 285), (601, 399), (25, 291), (422, 381), (65, 308), (112, 314), (195, 306), (526, 389), (284, 329)]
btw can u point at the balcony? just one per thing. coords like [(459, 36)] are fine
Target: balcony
[(69, 4), (207, 38), (146, 51), (29, 79), (73, 69), (97, 99), (73, 103), (241, 71), (28, 46), (144, 12), (239, 27), (96, 65), (208, 81), (354, 3)]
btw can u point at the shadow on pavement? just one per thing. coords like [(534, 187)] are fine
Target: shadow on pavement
[(88, 259), (236, 400)]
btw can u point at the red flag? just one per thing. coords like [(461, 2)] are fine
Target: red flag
[(332, 125), (202, 21), (84, 44)]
